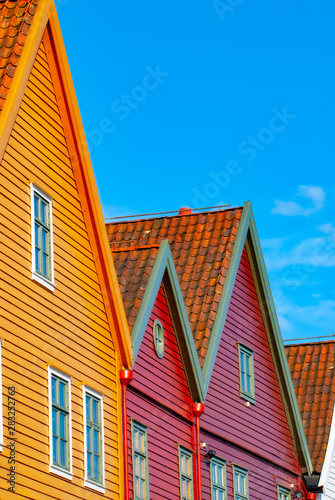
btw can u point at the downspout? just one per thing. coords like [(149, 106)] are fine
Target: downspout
[(126, 377), (198, 410)]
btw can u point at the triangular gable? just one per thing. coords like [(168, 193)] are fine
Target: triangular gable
[(263, 412), (44, 25), (163, 271), (166, 379), (247, 236)]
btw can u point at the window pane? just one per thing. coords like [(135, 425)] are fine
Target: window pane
[(61, 392), (43, 212), (95, 411)]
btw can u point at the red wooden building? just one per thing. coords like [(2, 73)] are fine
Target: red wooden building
[(210, 408)]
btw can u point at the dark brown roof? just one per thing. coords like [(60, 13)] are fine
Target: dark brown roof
[(201, 246), (15, 20), (312, 368)]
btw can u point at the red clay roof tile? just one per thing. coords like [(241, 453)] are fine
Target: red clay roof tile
[(15, 20), (312, 369), (201, 246)]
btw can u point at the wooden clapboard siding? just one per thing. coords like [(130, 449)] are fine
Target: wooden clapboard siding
[(159, 398), (263, 476), (66, 329), (256, 437), (166, 431)]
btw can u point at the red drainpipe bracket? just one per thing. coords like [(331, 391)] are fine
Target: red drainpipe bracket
[(126, 376)]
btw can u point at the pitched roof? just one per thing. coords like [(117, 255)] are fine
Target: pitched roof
[(201, 246), (15, 21), (312, 369)]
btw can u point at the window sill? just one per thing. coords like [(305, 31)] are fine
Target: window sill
[(247, 397), (43, 281), (60, 472), (94, 486)]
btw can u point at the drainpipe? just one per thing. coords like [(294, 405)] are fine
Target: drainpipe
[(126, 377), (198, 410)]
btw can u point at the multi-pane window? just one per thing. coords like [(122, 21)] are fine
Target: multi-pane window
[(283, 493), (42, 236), (247, 387), (218, 479), (140, 462), (240, 484), (60, 416), (185, 474), (93, 435)]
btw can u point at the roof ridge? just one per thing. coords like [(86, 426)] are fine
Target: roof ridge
[(124, 219)]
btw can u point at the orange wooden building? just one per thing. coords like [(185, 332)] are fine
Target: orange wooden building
[(63, 331)]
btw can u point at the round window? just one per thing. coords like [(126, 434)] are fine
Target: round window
[(158, 338)]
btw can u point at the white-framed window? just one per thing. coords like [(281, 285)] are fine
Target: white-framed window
[(42, 238), (140, 461), (283, 493), (94, 440), (60, 427), (186, 473), (246, 367), (241, 488), (218, 479)]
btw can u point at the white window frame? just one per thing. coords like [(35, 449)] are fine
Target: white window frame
[(283, 491), (66, 473), (244, 473), (145, 454), (185, 452), (87, 481), (216, 486), (249, 396), (48, 283)]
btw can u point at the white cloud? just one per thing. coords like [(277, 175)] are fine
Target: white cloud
[(317, 318), (290, 208), (308, 254)]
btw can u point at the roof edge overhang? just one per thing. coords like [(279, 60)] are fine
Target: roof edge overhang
[(45, 23), (247, 236), (164, 268), (22, 73)]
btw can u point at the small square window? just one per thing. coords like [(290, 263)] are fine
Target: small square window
[(246, 365), (218, 479), (240, 483), (60, 423), (140, 461), (93, 440), (42, 238), (186, 474), (283, 493)]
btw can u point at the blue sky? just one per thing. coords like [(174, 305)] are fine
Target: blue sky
[(201, 102)]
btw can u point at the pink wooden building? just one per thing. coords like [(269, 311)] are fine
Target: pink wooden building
[(211, 411)]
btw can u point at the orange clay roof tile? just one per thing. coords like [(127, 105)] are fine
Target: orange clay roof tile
[(15, 20), (312, 369), (201, 246)]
